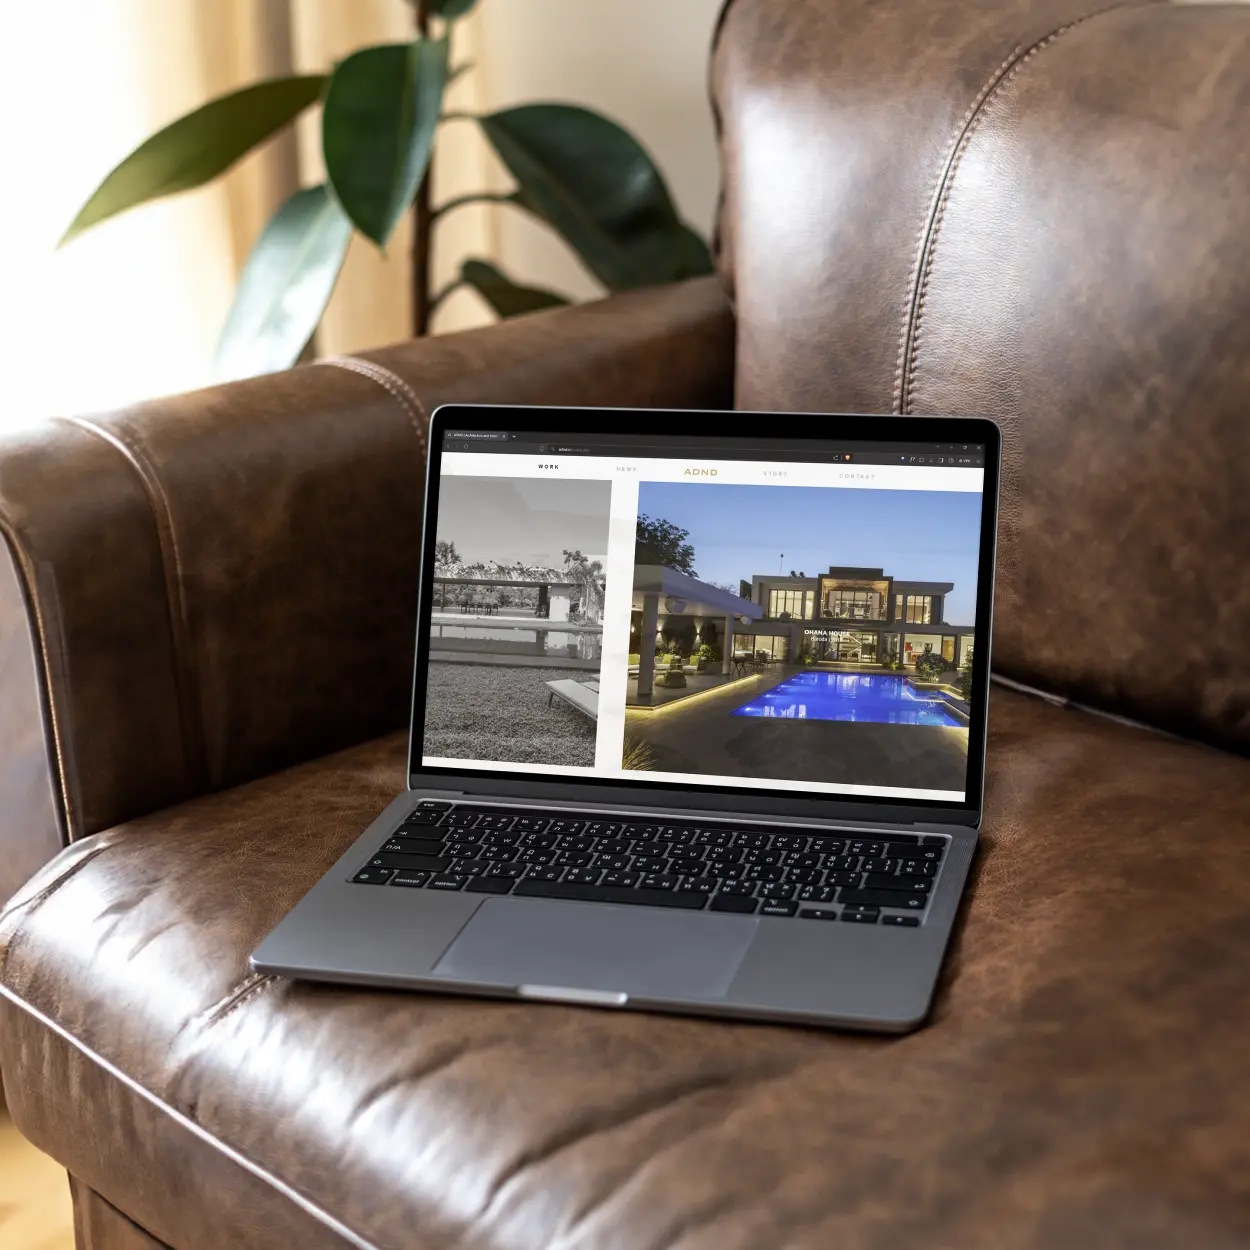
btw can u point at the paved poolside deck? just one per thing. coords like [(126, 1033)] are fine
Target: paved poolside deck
[(705, 737)]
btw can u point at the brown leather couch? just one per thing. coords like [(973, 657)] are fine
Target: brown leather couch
[(1039, 211)]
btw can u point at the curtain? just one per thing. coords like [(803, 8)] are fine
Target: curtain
[(132, 309)]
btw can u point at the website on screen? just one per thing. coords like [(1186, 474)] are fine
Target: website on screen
[(650, 611)]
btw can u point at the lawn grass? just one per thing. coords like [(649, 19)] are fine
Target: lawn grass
[(500, 712)]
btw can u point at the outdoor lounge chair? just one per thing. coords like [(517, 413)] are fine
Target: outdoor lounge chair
[(580, 695)]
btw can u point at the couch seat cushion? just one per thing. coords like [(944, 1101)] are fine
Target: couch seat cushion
[(1082, 1081)]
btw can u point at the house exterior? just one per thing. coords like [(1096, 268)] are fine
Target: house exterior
[(851, 614)]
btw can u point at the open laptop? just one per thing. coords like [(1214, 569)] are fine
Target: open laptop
[(698, 720)]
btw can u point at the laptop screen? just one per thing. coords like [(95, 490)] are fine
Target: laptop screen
[(679, 609)]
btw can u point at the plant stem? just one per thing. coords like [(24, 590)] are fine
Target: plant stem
[(476, 197), (422, 217), (454, 285)]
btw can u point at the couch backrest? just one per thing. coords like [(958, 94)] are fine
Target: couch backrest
[(1039, 212)]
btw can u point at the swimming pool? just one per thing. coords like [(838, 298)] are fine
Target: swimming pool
[(871, 697)]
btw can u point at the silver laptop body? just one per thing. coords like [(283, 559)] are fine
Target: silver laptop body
[(698, 724)]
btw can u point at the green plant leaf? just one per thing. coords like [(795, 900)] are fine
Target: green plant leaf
[(449, 10), (381, 109), (197, 147), (597, 187), (285, 285), (507, 298), (694, 255)]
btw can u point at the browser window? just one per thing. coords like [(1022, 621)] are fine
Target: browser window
[(690, 612)]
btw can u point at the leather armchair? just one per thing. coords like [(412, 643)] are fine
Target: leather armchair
[(1036, 211)]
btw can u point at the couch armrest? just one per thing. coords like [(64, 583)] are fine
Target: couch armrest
[(204, 589)]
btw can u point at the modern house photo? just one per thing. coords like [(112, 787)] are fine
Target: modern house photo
[(855, 672), (516, 627)]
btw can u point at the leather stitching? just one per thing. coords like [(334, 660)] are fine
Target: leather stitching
[(189, 704), (922, 267), (393, 384)]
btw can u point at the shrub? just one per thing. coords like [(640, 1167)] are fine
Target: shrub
[(930, 666), (672, 679), (963, 682)]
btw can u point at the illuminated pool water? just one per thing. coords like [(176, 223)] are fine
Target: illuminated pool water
[(877, 698)]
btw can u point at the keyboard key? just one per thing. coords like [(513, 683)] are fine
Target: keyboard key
[(434, 805), (767, 873), (470, 867), (842, 863), (566, 826), (461, 817), (412, 846), (572, 859), (602, 829), (804, 876), (841, 878), (828, 846), (411, 880), (617, 863), (917, 868), (495, 822), (687, 899), (537, 840), (620, 878), (790, 842), (775, 890), (423, 816), (543, 873), (714, 837), (448, 882), (933, 840), (900, 850), (532, 855), (679, 834), (883, 898), (641, 833), (373, 876), (511, 871), (801, 859), (531, 824), (582, 876), (414, 863), (901, 922), (817, 913), (701, 885), (816, 894), (853, 915), (489, 885), (659, 881), (915, 885), (466, 850), (737, 887), (733, 903), (930, 855), (614, 846), (878, 865), (761, 857), (575, 842), (650, 863), (777, 907), (871, 849), (754, 841)]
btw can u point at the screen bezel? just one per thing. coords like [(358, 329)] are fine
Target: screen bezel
[(632, 423)]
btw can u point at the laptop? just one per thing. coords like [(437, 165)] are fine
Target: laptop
[(698, 718)]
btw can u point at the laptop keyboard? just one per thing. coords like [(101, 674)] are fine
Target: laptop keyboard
[(750, 870)]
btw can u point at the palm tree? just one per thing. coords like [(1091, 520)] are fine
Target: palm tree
[(588, 576), (445, 556)]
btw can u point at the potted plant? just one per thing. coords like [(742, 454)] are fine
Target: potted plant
[(575, 170)]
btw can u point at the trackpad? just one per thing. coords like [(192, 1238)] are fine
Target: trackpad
[(642, 952)]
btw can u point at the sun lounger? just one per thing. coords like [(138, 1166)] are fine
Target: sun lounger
[(578, 695)]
